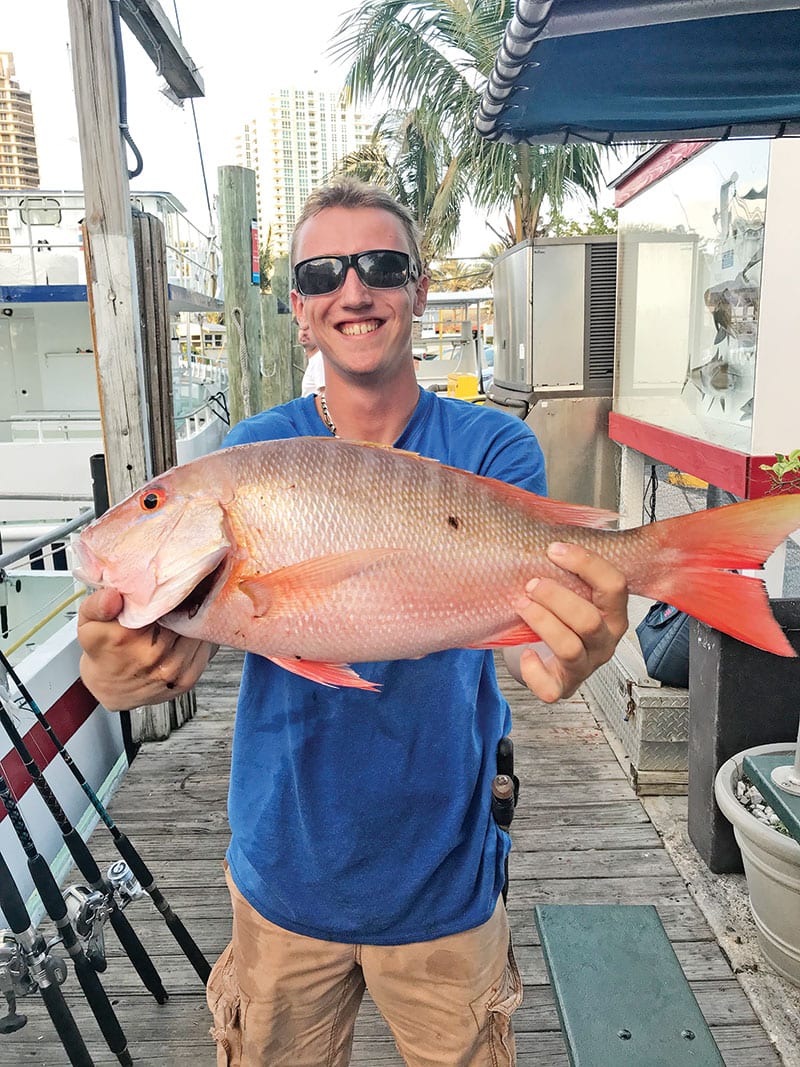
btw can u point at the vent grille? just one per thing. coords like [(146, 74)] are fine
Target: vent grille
[(602, 312)]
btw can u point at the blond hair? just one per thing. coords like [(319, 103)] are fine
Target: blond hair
[(353, 193)]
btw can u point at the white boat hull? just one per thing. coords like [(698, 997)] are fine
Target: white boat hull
[(93, 737)]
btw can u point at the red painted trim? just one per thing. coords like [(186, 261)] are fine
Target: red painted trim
[(66, 717), (737, 472), (656, 167), (719, 466)]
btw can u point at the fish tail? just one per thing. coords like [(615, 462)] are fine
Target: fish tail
[(699, 549)]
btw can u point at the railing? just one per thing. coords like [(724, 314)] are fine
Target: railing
[(40, 428), (194, 422), (42, 612), (44, 244)]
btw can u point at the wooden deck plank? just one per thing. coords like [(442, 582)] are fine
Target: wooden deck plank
[(580, 836)]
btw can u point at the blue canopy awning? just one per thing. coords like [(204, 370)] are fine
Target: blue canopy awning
[(653, 70)]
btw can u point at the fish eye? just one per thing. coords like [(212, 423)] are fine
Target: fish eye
[(151, 500)]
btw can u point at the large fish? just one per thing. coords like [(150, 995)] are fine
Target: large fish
[(317, 553)]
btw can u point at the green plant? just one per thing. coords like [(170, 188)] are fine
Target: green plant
[(784, 465)]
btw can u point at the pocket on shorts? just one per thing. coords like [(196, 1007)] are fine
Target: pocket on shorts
[(224, 1000), (493, 1011)]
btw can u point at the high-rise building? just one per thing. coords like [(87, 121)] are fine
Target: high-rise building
[(293, 146), (19, 163)]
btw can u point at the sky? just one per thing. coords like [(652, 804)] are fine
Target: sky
[(241, 51)]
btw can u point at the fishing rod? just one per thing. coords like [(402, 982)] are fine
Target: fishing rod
[(122, 843), (89, 911), (35, 967), (56, 908)]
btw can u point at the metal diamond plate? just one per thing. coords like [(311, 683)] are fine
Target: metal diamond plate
[(652, 723)]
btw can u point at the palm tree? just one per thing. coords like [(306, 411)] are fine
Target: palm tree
[(436, 56), (409, 157)]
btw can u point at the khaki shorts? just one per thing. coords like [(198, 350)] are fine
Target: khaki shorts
[(280, 999)]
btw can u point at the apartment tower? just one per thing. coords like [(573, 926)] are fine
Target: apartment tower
[(293, 146), (19, 164)]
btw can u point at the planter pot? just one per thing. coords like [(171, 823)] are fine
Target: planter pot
[(772, 867)]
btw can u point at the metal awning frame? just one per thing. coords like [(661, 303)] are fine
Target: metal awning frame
[(535, 21)]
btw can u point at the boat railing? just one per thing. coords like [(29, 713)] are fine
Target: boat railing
[(36, 560), (33, 550), (40, 428), (194, 422), (44, 429), (44, 246)]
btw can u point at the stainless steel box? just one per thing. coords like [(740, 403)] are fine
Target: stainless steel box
[(649, 721), (554, 316)]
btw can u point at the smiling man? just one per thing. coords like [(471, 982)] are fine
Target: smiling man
[(363, 850)]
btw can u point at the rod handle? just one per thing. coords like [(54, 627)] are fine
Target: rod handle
[(138, 956), (11, 902), (65, 1026), (84, 860), (101, 1008), (178, 930)]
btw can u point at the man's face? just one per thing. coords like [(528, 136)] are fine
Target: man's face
[(361, 331)]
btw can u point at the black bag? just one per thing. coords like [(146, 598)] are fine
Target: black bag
[(664, 639)]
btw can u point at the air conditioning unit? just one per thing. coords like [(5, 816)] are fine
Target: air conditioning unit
[(554, 313)]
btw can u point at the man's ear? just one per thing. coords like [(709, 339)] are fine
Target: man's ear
[(297, 306), (421, 294)]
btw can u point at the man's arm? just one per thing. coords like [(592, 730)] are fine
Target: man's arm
[(129, 668), (580, 635)]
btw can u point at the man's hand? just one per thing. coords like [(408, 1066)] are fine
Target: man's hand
[(128, 668), (580, 635)]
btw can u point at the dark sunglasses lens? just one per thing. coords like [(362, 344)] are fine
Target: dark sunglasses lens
[(383, 270), (316, 277)]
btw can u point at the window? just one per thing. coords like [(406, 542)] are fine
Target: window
[(40, 211)]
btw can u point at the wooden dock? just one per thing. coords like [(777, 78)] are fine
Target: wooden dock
[(580, 836)]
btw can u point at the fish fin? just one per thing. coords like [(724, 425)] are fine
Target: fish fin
[(309, 579), (701, 544), (541, 508), (333, 675), (518, 633), (735, 604), (553, 512)]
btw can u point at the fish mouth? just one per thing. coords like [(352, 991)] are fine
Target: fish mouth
[(202, 592)]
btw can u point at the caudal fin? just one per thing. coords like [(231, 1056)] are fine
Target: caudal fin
[(701, 546)]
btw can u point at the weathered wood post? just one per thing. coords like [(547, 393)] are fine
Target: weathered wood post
[(237, 215), (276, 333), (157, 722), (132, 431), (108, 243)]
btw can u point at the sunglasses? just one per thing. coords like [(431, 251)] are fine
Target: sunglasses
[(380, 268)]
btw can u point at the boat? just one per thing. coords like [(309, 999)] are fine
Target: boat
[(50, 430), (452, 340)]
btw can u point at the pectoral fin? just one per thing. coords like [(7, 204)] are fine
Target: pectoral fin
[(310, 580), (330, 674), (518, 633)]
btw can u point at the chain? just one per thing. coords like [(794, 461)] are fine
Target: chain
[(326, 415)]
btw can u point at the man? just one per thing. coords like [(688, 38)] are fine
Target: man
[(363, 851), (314, 374)]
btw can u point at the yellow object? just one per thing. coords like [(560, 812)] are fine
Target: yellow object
[(463, 386), (686, 481), (43, 622)]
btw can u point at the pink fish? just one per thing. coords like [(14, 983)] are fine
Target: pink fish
[(317, 553)]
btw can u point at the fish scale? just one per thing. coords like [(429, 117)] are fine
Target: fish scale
[(317, 553)]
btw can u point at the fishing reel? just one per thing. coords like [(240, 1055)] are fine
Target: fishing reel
[(88, 911), (124, 883), (18, 980)]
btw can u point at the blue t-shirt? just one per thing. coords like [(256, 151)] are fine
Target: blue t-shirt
[(365, 817)]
